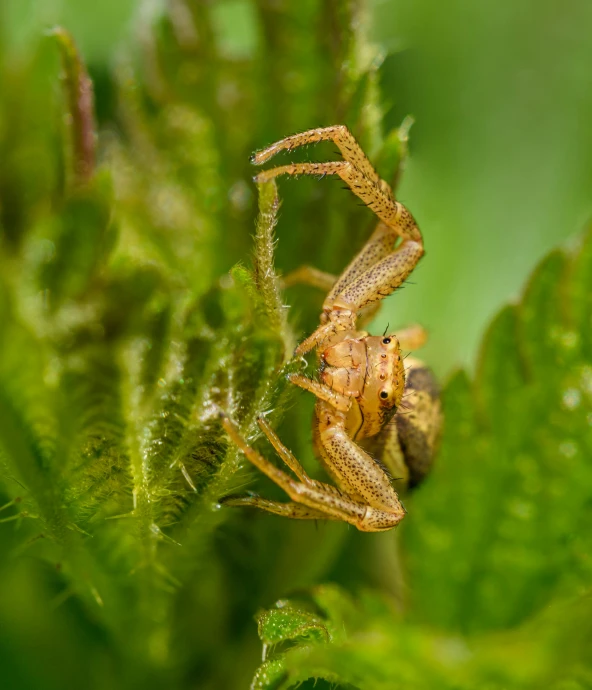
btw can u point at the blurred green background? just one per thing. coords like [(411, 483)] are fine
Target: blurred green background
[(501, 155), (122, 329)]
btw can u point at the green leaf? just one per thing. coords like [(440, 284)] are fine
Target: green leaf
[(288, 623), (79, 241), (79, 94), (497, 541), (130, 315), (519, 480)]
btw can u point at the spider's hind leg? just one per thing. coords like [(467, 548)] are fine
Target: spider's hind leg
[(296, 511)]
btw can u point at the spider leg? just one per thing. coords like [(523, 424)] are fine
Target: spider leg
[(380, 267), (413, 337), (344, 321), (370, 286), (322, 498), (309, 275), (339, 134), (296, 511), (381, 279), (286, 455), (379, 245), (356, 171), (315, 495), (368, 313), (376, 196), (323, 392), (360, 476)]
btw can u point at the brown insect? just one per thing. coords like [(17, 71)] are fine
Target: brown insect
[(377, 415)]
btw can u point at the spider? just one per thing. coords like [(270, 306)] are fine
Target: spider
[(364, 434)]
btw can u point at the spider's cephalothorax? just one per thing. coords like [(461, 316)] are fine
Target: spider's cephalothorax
[(377, 416), (370, 370)]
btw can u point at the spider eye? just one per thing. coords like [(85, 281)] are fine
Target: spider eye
[(386, 341), (383, 395)]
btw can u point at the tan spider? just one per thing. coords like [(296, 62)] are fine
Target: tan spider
[(363, 434)]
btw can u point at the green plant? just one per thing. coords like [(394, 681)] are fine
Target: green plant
[(130, 312), (497, 547)]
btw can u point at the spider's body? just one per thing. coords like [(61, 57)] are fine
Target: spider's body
[(363, 433), (369, 370)]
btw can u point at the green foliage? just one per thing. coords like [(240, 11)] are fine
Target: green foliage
[(131, 314), (497, 545)]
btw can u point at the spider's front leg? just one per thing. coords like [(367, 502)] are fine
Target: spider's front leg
[(314, 500), (355, 170), (380, 267), (361, 480), (362, 285), (356, 473)]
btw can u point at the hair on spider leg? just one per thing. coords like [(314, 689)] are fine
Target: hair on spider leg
[(229, 497), (248, 481), (384, 468)]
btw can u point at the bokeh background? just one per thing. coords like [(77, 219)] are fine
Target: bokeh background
[(118, 568), (501, 155)]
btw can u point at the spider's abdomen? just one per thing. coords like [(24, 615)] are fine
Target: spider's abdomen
[(419, 421)]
